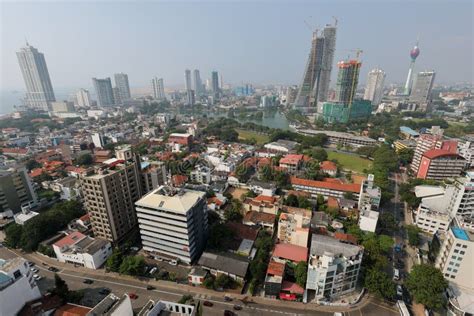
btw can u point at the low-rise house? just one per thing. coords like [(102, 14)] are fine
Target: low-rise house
[(196, 276), (368, 220), (326, 188), (262, 203), (291, 291), (274, 278), (289, 252), (281, 146), (370, 195), (166, 308), (80, 249), (232, 265), (262, 188), (291, 163), (201, 174), (328, 167), (263, 220)]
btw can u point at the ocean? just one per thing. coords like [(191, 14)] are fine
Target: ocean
[(11, 98)]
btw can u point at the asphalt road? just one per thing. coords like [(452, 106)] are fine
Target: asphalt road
[(75, 278)]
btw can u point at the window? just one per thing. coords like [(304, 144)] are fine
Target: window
[(462, 252)]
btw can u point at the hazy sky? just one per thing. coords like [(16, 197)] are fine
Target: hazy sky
[(257, 42)]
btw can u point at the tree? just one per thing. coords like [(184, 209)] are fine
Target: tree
[(60, 287), (379, 283), (301, 271), (209, 282), (132, 265), (385, 243), (114, 261), (349, 175), (223, 281), (348, 195), (291, 200), (234, 211), (32, 164), (319, 154), (85, 160), (427, 286), (405, 156), (13, 234), (413, 233)]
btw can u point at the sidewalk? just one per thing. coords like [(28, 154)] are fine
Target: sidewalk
[(187, 289)]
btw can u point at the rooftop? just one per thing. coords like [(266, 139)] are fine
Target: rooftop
[(165, 198), (321, 244), (291, 252), (232, 264), (331, 185), (438, 153)]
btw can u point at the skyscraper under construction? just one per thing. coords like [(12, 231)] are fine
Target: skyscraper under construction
[(347, 80), (317, 74)]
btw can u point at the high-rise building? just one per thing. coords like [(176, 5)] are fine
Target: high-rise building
[(187, 80), (83, 98), (104, 91), (215, 84), (421, 90), (158, 88), (121, 82), (117, 97), (190, 97), (62, 107), (315, 85), (198, 89), (110, 193), (173, 224), (39, 90), (291, 93), (374, 87), (424, 143), (16, 190), (347, 80), (414, 53), (98, 140)]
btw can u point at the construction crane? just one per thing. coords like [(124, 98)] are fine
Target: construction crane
[(357, 51)]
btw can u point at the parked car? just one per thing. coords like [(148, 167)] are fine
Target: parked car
[(34, 270), (228, 313), (53, 269), (237, 307), (30, 264), (133, 296), (87, 281), (150, 287), (173, 262), (37, 277), (227, 298), (400, 291), (208, 304), (396, 274), (104, 291)]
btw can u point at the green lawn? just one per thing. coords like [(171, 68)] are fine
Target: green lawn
[(351, 162), (260, 138)]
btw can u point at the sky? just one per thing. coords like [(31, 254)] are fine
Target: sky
[(260, 42)]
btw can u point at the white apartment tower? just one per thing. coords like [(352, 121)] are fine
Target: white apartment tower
[(374, 87), (158, 88), (83, 98), (173, 224), (39, 90)]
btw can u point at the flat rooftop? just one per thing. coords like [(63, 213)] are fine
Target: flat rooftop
[(179, 201), (321, 244)]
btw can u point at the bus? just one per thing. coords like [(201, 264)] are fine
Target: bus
[(402, 308)]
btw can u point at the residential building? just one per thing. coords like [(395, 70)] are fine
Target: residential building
[(290, 253), (173, 224), (315, 84), (109, 196), (16, 190), (153, 175), (260, 219), (158, 88), (215, 85), (422, 85), (24, 216), (368, 220), (187, 80), (325, 188), (62, 107), (294, 225), (374, 87), (104, 91), (466, 149), (39, 90), (370, 195), (291, 163), (328, 167), (456, 257), (117, 98), (424, 143), (437, 164), (232, 265), (461, 202), (183, 139), (111, 305), (333, 268), (291, 94), (83, 98), (17, 285), (79, 249), (274, 279), (98, 140), (121, 82), (160, 307), (408, 133), (262, 204), (190, 97), (198, 87), (281, 146), (432, 215), (201, 174), (197, 276)]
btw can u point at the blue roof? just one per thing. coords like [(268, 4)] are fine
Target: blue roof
[(408, 130), (144, 164), (460, 233)]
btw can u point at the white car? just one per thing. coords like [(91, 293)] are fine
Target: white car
[(37, 277), (399, 291), (34, 270), (174, 262)]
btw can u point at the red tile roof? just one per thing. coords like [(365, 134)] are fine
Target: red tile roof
[(291, 252), (263, 198), (291, 159), (437, 153), (291, 287), (85, 217), (242, 231), (346, 187), (276, 268), (72, 310), (70, 239), (256, 217), (328, 165), (36, 172), (333, 202), (18, 151), (179, 179)]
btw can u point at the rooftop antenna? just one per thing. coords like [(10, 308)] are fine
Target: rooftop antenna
[(335, 20)]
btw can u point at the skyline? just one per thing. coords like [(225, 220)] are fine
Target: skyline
[(225, 38)]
